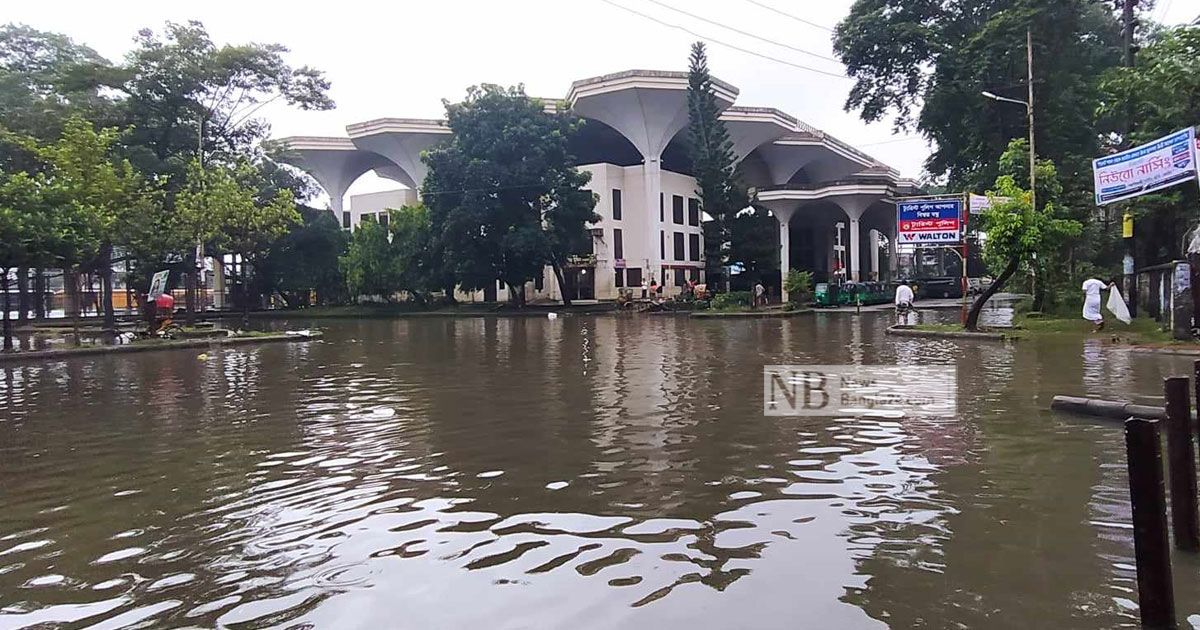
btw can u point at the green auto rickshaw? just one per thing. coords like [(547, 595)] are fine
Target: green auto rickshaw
[(825, 295)]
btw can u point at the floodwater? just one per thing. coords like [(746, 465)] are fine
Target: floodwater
[(584, 472)]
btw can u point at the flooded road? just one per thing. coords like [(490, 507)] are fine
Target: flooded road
[(585, 472)]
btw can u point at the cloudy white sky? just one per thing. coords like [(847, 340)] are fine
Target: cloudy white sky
[(401, 58)]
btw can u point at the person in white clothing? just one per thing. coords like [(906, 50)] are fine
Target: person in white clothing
[(904, 301), (1091, 302)]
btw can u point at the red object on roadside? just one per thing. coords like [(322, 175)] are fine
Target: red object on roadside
[(165, 302)]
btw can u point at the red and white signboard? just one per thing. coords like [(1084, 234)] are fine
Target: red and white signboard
[(929, 221)]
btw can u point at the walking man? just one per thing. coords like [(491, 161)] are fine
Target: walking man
[(1091, 302), (904, 302)]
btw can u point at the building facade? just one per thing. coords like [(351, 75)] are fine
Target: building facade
[(834, 204)]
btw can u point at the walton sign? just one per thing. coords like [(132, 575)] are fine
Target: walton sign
[(929, 221)]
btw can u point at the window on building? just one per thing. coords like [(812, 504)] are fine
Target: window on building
[(693, 247), (679, 246), (616, 204), (681, 277), (662, 244), (366, 217), (618, 245), (346, 219), (383, 218), (677, 209), (539, 281), (633, 277), (619, 277), (661, 216), (695, 274), (693, 211)]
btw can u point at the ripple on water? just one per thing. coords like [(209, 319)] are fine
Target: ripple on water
[(300, 485)]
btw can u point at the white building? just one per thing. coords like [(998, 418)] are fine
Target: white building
[(834, 203)]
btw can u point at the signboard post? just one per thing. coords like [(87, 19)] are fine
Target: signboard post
[(1160, 164), (937, 221), (158, 283)]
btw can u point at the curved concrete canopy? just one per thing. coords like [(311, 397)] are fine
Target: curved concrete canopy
[(647, 107), (751, 127), (334, 162), (853, 198), (400, 140), (822, 160)]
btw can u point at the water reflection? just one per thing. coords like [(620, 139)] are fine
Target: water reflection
[(592, 472)]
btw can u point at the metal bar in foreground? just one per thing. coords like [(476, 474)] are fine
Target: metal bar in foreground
[(1156, 597)]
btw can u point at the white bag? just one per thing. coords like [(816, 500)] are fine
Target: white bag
[(1116, 305)]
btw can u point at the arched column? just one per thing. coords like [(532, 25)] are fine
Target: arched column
[(854, 206), (401, 141), (783, 210), (334, 162), (648, 109)]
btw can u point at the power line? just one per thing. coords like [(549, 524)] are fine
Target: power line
[(1166, 9), (892, 141), (741, 32), (713, 40), (789, 15)]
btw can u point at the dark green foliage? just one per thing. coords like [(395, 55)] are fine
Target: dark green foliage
[(385, 261), (753, 242), (711, 152), (1162, 93), (925, 62), (503, 197), (732, 299), (306, 259)]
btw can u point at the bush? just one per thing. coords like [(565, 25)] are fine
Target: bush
[(732, 299), (798, 282)]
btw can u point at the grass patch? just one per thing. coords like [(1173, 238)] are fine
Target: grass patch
[(939, 327), (1142, 330)]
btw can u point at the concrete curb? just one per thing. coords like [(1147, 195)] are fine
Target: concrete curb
[(1186, 352), (750, 314), (67, 353), (908, 331)]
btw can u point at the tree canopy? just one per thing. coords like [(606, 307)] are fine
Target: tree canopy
[(504, 197), (711, 152), (925, 64)]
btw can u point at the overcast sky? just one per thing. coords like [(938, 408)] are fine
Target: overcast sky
[(401, 58)]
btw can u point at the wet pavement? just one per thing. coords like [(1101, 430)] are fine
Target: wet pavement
[(584, 472)]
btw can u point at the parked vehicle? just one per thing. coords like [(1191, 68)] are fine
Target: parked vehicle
[(828, 294), (939, 287), (975, 286), (825, 295)]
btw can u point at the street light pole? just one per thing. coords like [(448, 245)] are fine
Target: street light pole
[(1029, 109)]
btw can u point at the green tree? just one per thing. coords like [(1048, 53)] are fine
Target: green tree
[(29, 231), (925, 64), (183, 95), (105, 191), (753, 242), (370, 265), (711, 152), (410, 231), (44, 79), (503, 195), (222, 205), (1161, 94), (1017, 231), (306, 260)]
